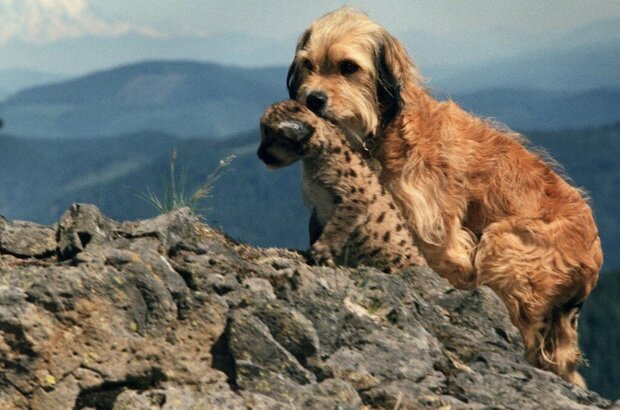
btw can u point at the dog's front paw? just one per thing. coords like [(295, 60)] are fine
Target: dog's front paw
[(322, 255)]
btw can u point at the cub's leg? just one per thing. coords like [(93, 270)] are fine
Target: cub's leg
[(336, 233)]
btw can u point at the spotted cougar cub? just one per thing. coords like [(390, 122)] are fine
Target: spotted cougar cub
[(360, 222)]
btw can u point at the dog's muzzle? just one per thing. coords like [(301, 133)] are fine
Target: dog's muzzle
[(316, 102)]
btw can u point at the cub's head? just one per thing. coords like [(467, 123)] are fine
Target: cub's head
[(286, 129)]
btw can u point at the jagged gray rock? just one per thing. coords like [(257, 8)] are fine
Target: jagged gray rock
[(169, 313), (27, 239)]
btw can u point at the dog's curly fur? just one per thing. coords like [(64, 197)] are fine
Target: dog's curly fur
[(486, 210)]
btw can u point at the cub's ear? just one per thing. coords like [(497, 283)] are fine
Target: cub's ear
[(292, 78)]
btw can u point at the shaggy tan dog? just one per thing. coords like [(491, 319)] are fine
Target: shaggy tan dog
[(484, 209)]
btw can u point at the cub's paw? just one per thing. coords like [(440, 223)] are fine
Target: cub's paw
[(295, 129), (322, 255), (288, 119)]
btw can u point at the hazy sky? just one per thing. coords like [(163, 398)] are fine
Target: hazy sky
[(32, 31), (272, 18)]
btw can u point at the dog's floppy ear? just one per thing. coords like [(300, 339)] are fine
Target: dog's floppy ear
[(292, 82), (292, 78), (395, 72)]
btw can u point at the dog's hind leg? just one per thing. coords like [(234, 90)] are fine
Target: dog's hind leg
[(562, 344), (551, 342), (519, 260)]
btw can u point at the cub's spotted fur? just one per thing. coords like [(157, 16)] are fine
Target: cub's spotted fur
[(360, 222)]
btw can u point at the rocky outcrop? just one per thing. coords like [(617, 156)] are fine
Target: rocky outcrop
[(169, 313)]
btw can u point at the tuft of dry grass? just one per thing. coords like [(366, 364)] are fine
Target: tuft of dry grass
[(175, 194)]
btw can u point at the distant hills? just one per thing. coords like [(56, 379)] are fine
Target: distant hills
[(185, 98), (192, 99), (40, 178), (14, 80), (529, 109), (578, 68), (581, 59)]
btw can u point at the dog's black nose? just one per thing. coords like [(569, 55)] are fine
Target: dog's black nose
[(316, 101)]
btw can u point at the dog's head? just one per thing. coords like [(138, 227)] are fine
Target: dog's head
[(352, 72), (286, 128)]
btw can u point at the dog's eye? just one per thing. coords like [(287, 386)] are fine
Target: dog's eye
[(348, 67), (307, 64)]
